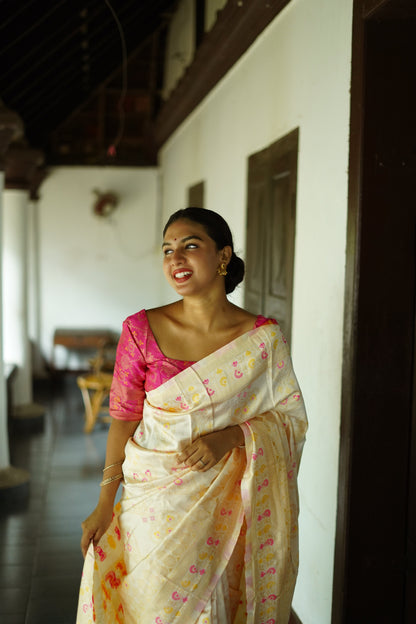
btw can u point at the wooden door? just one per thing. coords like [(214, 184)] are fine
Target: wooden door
[(196, 195), (271, 216), (258, 199), (375, 562)]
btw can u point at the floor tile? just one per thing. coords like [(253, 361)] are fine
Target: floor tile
[(13, 600), (40, 557), (15, 618), (54, 598), (15, 576), (16, 553)]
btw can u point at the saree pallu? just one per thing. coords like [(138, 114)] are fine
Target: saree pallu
[(214, 547)]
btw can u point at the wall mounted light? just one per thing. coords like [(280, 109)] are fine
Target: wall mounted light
[(105, 203)]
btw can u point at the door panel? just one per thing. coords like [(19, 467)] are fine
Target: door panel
[(258, 198), (196, 195), (271, 230), (375, 567)]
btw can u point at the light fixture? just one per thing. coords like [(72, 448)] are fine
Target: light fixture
[(105, 203)]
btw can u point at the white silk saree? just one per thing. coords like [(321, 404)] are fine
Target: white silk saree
[(215, 547)]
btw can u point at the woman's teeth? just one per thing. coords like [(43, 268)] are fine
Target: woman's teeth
[(182, 274)]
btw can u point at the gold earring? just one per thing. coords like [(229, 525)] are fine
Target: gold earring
[(222, 269)]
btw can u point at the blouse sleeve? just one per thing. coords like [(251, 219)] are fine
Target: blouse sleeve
[(127, 389)]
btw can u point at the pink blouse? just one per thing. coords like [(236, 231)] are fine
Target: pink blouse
[(141, 366)]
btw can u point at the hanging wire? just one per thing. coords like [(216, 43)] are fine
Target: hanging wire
[(112, 149)]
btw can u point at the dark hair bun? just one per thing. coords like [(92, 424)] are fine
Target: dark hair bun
[(235, 273)]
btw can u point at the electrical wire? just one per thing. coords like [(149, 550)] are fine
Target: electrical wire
[(112, 149)]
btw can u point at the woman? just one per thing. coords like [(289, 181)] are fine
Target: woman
[(207, 432)]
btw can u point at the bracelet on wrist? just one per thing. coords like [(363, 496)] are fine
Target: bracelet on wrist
[(111, 479), (112, 465)]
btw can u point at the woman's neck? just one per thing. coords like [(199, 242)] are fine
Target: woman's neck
[(207, 314)]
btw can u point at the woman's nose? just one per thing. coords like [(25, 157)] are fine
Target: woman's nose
[(177, 256)]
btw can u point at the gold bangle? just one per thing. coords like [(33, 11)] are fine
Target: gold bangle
[(111, 479), (112, 465)]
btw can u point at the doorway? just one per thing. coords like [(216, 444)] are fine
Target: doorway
[(271, 219), (375, 562)]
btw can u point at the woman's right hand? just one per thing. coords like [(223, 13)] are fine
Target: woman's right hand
[(94, 527)]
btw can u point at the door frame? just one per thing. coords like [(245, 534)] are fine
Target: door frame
[(363, 10)]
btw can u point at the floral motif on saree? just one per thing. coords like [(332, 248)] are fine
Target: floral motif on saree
[(215, 547)]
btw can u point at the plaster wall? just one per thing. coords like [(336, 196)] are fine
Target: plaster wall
[(180, 45), (211, 9), (4, 435), (95, 271), (296, 74)]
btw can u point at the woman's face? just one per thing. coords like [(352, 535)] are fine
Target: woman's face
[(191, 258)]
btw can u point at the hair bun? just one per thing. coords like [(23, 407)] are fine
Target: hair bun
[(235, 273)]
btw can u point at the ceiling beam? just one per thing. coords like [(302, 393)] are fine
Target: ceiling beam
[(237, 26)]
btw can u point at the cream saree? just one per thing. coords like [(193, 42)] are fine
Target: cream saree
[(215, 547)]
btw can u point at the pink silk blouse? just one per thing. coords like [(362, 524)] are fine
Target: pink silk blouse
[(141, 366)]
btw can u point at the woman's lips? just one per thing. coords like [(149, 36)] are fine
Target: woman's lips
[(182, 275)]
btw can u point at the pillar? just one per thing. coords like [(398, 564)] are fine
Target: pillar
[(22, 163), (34, 307), (14, 482)]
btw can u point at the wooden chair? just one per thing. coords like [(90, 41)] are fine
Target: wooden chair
[(95, 388)]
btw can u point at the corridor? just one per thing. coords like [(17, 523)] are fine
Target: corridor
[(40, 558)]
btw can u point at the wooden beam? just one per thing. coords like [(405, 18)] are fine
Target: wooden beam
[(236, 28)]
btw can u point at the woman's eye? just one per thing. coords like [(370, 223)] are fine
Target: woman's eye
[(166, 252), (191, 246)]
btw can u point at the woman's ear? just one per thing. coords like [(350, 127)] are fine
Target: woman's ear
[(226, 254)]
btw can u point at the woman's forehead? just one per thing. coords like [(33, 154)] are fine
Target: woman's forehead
[(184, 227)]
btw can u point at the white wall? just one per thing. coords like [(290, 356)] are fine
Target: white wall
[(4, 434), (211, 9), (296, 74), (180, 45), (96, 271)]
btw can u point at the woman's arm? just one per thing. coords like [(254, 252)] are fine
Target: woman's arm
[(98, 522), (207, 450)]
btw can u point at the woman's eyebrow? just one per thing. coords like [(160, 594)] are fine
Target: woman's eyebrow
[(183, 240)]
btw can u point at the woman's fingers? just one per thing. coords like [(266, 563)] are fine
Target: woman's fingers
[(85, 542), (198, 456), (207, 451), (89, 534), (192, 459)]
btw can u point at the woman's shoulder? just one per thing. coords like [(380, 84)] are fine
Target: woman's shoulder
[(136, 320), (254, 320), (264, 320), (158, 316)]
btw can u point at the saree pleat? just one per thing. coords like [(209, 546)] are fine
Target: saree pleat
[(215, 547)]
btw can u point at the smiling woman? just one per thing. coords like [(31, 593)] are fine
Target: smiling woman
[(210, 225), (207, 432), (191, 257)]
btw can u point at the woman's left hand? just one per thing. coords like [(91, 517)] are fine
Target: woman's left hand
[(207, 450)]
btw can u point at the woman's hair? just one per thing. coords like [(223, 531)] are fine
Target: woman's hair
[(217, 228)]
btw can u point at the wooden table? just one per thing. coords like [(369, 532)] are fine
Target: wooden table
[(82, 340)]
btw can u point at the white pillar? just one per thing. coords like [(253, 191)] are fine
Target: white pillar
[(15, 288), (33, 269), (21, 165), (14, 482), (4, 437)]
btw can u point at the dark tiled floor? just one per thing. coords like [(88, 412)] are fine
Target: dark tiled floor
[(40, 558)]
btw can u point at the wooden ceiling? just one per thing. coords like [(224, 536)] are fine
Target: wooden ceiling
[(85, 76)]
